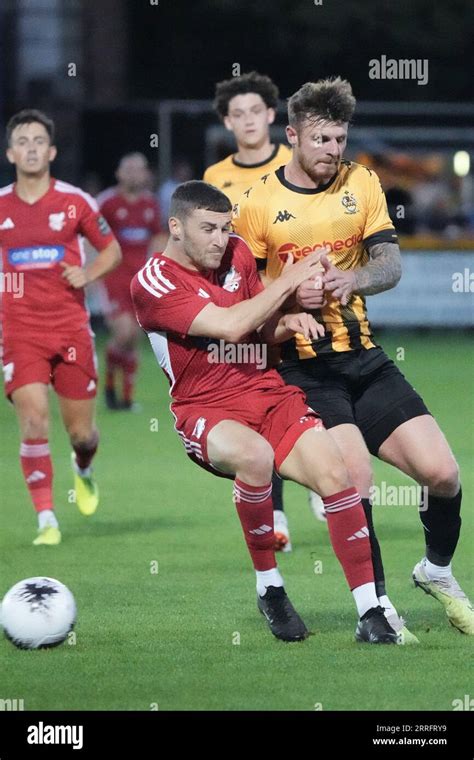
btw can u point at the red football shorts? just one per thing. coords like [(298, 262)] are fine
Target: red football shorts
[(69, 363), (280, 415)]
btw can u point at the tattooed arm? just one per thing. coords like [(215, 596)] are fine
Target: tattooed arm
[(382, 272)]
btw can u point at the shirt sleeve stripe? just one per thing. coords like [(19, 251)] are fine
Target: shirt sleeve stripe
[(383, 236)]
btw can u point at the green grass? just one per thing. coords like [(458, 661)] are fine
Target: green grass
[(167, 638)]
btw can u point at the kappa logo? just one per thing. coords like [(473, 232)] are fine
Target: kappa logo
[(7, 224), (231, 280), (228, 183), (57, 221), (199, 428), (349, 203), (236, 211), (283, 216)]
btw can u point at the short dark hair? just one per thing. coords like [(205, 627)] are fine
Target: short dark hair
[(328, 99), (251, 82), (196, 194), (30, 116)]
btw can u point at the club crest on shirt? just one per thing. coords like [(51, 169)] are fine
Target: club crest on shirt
[(57, 221), (231, 280), (349, 203)]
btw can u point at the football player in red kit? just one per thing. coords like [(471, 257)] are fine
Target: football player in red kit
[(134, 216), (208, 319), (46, 330)]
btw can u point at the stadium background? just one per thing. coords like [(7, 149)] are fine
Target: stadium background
[(112, 74)]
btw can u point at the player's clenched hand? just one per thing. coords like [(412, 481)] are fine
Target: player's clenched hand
[(305, 324), (310, 294), (76, 276), (303, 269), (340, 284)]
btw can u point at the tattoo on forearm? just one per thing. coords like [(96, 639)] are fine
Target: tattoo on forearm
[(382, 272)]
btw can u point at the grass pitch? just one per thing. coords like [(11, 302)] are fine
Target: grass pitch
[(166, 594)]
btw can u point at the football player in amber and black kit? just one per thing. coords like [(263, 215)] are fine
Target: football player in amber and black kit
[(321, 200), (247, 107)]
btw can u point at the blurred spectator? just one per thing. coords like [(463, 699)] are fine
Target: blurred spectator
[(399, 198), (431, 205), (181, 171), (425, 201)]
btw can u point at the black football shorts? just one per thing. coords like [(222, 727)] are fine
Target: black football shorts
[(361, 387)]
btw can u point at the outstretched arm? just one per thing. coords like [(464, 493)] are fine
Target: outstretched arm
[(234, 322), (382, 272)]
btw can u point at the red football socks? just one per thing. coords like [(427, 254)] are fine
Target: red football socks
[(255, 510), (37, 469), (350, 536)]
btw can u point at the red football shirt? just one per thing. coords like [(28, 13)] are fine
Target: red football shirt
[(34, 239), (133, 224), (168, 297)]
